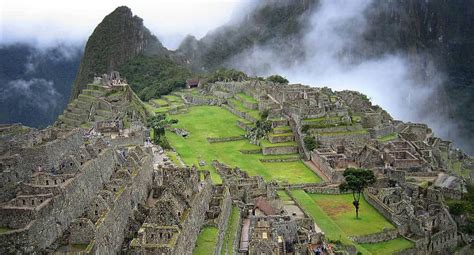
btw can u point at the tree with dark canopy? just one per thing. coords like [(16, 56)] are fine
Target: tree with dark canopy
[(277, 79), (158, 124), (356, 181)]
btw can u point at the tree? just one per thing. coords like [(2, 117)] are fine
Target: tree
[(310, 142), (158, 124), (277, 79), (356, 181)]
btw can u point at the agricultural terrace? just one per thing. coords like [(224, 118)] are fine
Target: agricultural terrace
[(204, 122), (334, 214), (206, 241)]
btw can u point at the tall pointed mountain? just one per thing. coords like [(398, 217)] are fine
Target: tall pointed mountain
[(120, 37)]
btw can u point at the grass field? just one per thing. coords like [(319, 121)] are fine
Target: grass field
[(341, 211), (388, 137), (206, 242), (335, 215), (388, 247), (240, 107), (213, 121), (246, 97), (232, 226)]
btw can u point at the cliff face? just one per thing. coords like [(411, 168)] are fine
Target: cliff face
[(434, 32), (118, 38)]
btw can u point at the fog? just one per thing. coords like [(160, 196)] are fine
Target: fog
[(334, 32), (44, 23), (390, 81)]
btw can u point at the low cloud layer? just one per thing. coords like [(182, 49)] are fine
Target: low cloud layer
[(46, 22), (35, 92), (390, 80)]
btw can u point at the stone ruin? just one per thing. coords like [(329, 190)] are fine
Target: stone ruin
[(110, 80), (404, 156)]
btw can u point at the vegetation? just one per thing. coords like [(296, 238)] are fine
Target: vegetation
[(227, 75), (356, 180), (465, 207), (388, 247), (261, 129), (230, 233), (158, 123), (212, 121), (206, 241), (388, 137), (277, 79), (310, 142), (332, 214), (153, 76)]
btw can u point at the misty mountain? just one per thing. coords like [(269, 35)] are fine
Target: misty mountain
[(431, 40), (35, 83), (421, 50)]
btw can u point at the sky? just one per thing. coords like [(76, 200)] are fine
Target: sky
[(48, 22)]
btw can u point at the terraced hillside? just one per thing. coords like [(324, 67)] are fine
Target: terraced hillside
[(99, 103), (203, 122)]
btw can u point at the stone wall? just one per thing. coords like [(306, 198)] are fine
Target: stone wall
[(225, 139), (110, 230), (239, 113), (281, 138), (194, 220), (46, 155), (331, 190), (202, 100), (323, 165), (55, 218), (279, 150), (223, 220), (385, 235), (359, 139), (381, 207)]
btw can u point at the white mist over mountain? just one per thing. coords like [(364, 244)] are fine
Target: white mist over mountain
[(390, 81), (44, 23)]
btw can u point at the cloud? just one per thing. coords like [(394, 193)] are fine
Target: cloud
[(390, 80), (48, 21), (35, 92)]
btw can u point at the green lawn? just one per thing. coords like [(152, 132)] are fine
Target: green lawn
[(341, 210), (388, 247), (246, 97), (240, 107), (232, 226), (283, 196), (388, 137), (206, 242), (335, 215), (213, 121), (355, 132)]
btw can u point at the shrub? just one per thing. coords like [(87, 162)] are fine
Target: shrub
[(277, 79)]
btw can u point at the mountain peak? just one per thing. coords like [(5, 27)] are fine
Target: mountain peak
[(118, 38)]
